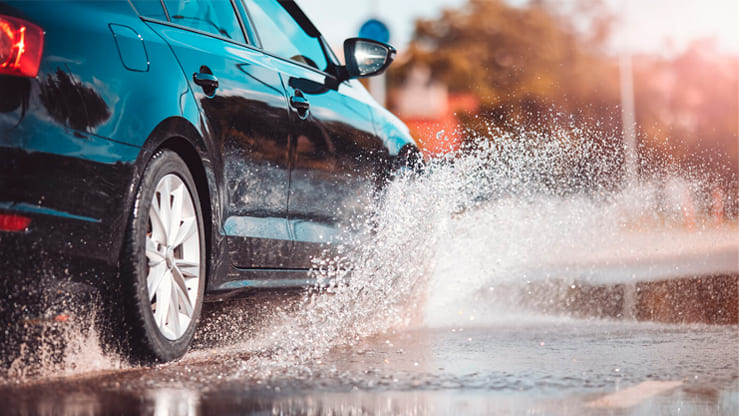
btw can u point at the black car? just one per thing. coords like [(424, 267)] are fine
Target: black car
[(157, 153)]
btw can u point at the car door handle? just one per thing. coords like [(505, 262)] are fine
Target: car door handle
[(299, 102), (207, 81)]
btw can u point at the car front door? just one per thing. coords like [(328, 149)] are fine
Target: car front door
[(244, 109), (334, 148)]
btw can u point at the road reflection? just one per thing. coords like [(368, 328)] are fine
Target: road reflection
[(550, 367), (191, 402), (184, 402)]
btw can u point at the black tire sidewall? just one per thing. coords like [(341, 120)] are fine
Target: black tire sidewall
[(146, 341)]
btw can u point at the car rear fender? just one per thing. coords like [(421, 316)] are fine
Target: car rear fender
[(180, 135)]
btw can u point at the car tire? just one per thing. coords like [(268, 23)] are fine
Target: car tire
[(162, 265)]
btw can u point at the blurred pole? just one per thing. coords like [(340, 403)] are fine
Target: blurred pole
[(626, 75), (377, 84), (378, 89), (628, 117)]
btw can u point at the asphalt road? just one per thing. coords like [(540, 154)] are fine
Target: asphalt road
[(522, 364), (515, 321)]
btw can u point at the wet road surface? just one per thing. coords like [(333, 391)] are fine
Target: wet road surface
[(525, 364), (445, 330)]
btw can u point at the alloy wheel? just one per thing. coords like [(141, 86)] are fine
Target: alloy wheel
[(173, 253)]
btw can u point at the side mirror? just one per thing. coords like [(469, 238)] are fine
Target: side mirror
[(365, 57)]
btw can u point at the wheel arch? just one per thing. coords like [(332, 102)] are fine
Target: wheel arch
[(180, 136)]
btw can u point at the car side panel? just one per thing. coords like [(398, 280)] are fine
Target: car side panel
[(247, 119), (337, 159)]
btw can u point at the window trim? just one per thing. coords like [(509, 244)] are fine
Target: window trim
[(169, 22), (331, 64), (252, 26), (254, 44), (293, 62), (141, 16), (250, 31)]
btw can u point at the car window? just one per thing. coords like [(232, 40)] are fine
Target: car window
[(282, 36), (149, 8), (216, 16)]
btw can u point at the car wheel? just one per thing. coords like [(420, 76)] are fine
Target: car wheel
[(163, 262)]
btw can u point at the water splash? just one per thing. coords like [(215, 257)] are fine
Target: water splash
[(58, 349), (461, 244)]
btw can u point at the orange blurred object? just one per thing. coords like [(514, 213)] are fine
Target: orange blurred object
[(62, 317)]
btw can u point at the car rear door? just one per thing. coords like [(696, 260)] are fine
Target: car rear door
[(334, 146), (244, 109)]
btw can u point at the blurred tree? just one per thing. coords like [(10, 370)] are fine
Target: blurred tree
[(526, 56), (541, 67), (532, 66), (688, 116)]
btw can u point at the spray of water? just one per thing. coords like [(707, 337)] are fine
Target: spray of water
[(58, 349), (461, 243), (464, 243)]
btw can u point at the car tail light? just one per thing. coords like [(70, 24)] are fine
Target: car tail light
[(12, 222), (21, 45)]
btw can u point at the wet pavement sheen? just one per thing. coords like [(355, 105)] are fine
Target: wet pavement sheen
[(529, 365)]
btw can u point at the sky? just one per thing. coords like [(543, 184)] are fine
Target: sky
[(646, 24)]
